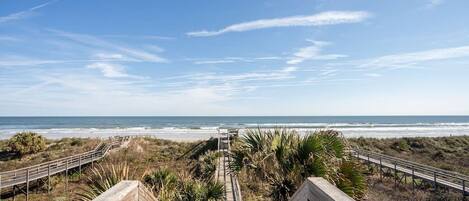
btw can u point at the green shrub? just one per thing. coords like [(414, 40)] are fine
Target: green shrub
[(103, 177), (27, 143), (401, 145), (284, 159), (161, 179), (204, 168)]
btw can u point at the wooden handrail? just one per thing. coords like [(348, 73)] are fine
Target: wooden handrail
[(22, 175), (411, 164), (437, 176)]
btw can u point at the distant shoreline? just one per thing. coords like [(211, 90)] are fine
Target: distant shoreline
[(190, 134)]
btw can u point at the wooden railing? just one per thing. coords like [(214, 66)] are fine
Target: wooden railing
[(234, 179), (436, 176), (234, 192), (47, 169)]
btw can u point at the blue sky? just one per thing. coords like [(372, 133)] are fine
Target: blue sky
[(294, 57)]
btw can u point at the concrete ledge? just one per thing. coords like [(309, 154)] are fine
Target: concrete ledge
[(317, 188)]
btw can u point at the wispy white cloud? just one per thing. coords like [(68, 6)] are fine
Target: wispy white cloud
[(150, 37), (434, 3), (9, 39), (28, 62), (110, 56), (234, 60), (84, 94), (373, 75), (410, 60), (320, 19), (313, 52), (155, 48), (214, 61), (22, 14), (14, 61), (109, 70), (137, 54), (328, 72), (280, 74)]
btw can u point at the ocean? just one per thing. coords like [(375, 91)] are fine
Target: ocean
[(195, 128)]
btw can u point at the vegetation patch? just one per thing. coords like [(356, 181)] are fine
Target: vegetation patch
[(273, 164), (449, 153)]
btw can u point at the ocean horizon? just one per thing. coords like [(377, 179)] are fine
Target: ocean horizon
[(203, 127)]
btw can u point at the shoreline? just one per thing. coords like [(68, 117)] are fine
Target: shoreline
[(191, 135)]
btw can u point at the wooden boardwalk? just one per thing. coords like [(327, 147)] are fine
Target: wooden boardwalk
[(24, 176), (222, 173), (401, 169)]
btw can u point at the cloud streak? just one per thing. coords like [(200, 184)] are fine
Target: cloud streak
[(109, 70), (434, 3), (409, 60), (234, 60), (137, 54), (313, 52), (320, 19), (22, 14)]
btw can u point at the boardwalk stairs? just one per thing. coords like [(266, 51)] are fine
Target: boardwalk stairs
[(222, 173)]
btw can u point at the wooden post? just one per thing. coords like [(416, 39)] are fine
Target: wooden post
[(14, 192), (37, 180), (413, 180), (27, 184), (463, 190), (79, 165), (66, 178), (380, 168), (14, 189), (48, 179), (395, 175), (434, 181), (0, 187), (368, 161), (92, 160)]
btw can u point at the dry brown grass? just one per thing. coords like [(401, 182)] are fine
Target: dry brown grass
[(450, 153), (144, 155), (55, 149)]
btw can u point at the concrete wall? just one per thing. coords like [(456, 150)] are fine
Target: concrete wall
[(127, 191), (317, 188)]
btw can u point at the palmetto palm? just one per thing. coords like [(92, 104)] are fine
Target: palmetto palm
[(102, 178), (285, 159), (161, 180)]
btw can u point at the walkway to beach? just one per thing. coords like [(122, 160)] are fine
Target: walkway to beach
[(19, 180), (402, 169), (223, 174)]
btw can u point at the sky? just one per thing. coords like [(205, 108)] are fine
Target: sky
[(295, 57)]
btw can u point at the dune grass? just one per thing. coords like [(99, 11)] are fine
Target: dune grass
[(449, 153), (55, 149)]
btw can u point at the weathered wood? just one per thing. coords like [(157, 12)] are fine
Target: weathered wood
[(127, 191), (435, 176), (223, 173), (317, 188), (48, 179), (27, 184), (47, 169)]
